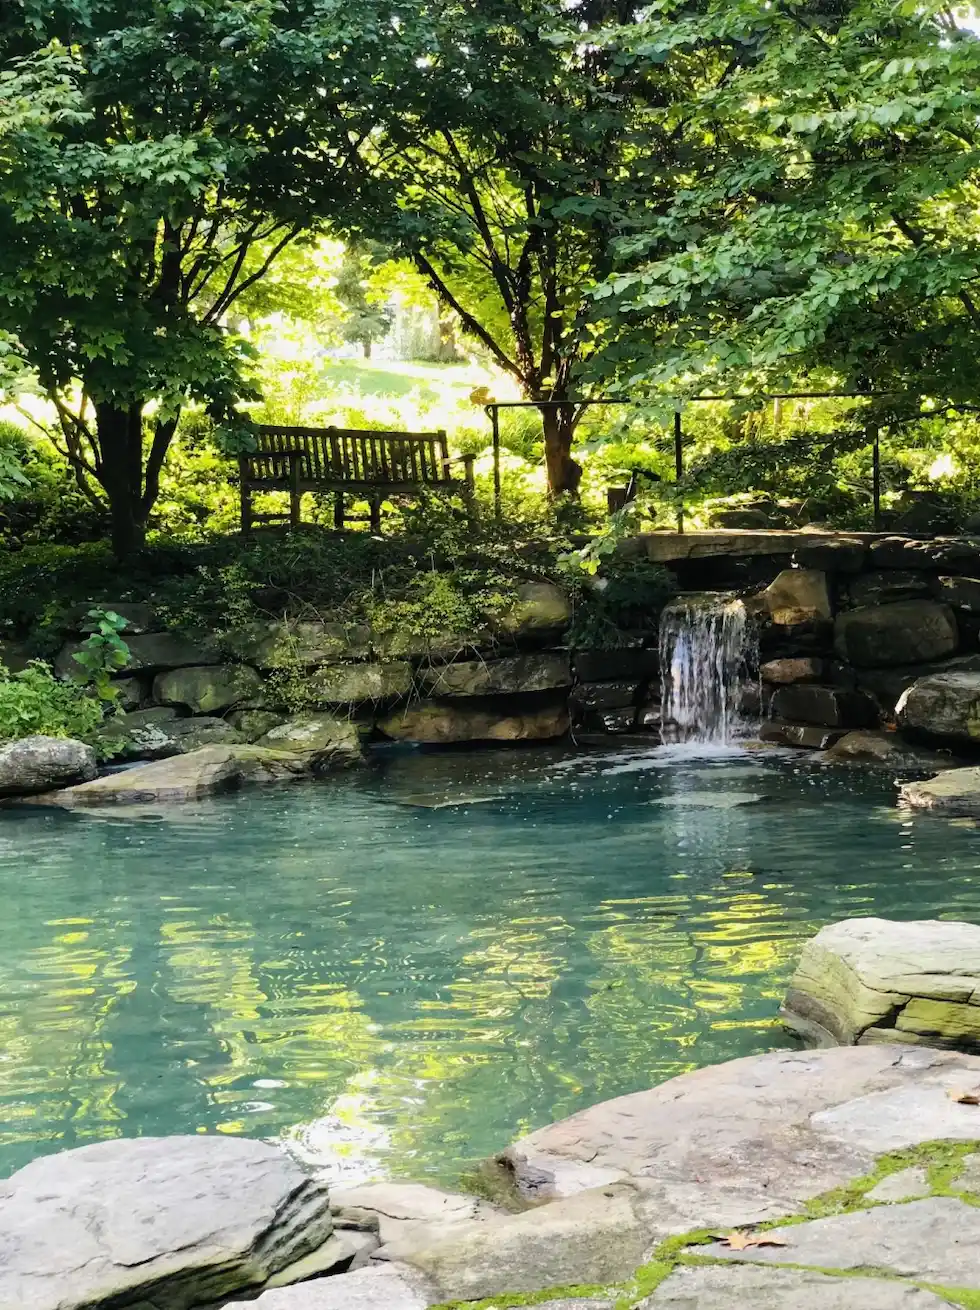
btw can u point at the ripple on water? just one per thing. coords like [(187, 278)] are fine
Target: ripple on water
[(403, 972)]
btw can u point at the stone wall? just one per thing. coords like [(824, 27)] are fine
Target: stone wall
[(856, 632)]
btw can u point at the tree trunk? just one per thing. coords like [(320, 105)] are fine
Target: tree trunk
[(367, 349), (120, 433), (564, 474)]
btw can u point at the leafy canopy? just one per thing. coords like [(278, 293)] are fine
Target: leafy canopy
[(837, 227)]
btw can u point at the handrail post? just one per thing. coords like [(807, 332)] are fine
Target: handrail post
[(494, 412), (875, 435), (679, 462)]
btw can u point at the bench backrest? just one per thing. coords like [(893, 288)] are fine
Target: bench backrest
[(349, 455)]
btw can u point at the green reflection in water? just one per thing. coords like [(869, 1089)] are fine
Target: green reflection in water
[(401, 988)]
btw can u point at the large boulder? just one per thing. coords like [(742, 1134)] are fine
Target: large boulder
[(909, 632), (520, 673), (445, 722), (943, 707), (283, 644), (828, 707), (886, 748), (875, 980), (210, 689), (799, 736), (832, 556), (172, 1223), (955, 794), (786, 672), (253, 724), (39, 764), (190, 777), (753, 1140), (539, 610), (633, 663), (324, 743), (795, 596), (379, 1287), (159, 733), (886, 586), (170, 650), (357, 684), (960, 593)]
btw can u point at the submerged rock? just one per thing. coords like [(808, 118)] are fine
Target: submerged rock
[(40, 764), (875, 980), (443, 722), (909, 632), (173, 1222)]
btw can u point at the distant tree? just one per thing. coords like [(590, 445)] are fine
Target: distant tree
[(366, 317)]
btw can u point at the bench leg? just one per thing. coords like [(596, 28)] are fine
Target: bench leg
[(376, 515), (338, 511), (295, 498), (246, 497)]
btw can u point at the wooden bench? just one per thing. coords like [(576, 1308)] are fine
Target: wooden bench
[(371, 466)]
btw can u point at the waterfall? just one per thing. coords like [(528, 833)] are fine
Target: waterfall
[(705, 647)]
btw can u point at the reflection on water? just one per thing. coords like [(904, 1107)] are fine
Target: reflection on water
[(401, 983)]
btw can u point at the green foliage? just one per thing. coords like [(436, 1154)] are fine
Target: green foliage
[(837, 225), (366, 317), (36, 703), (102, 653), (615, 598), (145, 156)]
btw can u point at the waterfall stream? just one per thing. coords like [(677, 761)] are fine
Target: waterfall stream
[(706, 643)]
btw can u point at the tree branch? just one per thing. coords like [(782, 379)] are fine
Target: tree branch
[(471, 324)]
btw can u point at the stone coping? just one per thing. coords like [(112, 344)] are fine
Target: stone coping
[(846, 1179)]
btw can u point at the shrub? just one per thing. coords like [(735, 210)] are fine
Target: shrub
[(36, 703)]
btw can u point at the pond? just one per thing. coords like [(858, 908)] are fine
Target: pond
[(404, 971)]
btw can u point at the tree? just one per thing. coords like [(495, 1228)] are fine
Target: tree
[(157, 157), (367, 318), (523, 146), (837, 232)]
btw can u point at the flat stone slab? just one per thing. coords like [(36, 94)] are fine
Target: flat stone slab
[(935, 1241), (954, 794), (170, 1222), (379, 1287), (408, 1211), (664, 547), (753, 1139), (714, 1288), (875, 980), (906, 1185), (593, 1238)]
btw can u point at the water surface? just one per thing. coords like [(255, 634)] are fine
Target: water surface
[(402, 972)]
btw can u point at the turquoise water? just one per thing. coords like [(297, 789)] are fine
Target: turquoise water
[(401, 988)]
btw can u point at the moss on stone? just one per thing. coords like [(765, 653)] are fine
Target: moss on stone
[(508, 1300), (967, 1297)]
